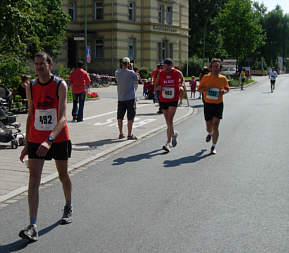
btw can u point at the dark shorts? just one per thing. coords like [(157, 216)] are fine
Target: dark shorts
[(166, 105), (213, 110), (58, 151), (273, 81), (128, 106)]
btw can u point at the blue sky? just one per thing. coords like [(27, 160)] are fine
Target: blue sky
[(272, 4)]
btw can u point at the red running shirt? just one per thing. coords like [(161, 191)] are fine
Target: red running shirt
[(170, 85), (45, 111)]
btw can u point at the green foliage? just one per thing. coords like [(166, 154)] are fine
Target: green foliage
[(242, 34), (258, 64), (195, 65), (63, 71), (27, 26), (203, 30), (49, 26), (144, 73), (276, 25), (11, 68), (16, 28)]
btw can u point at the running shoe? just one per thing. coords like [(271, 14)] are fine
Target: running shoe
[(67, 215), (174, 139), (208, 138), (121, 136), (213, 150), (166, 147), (131, 137), (30, 233)]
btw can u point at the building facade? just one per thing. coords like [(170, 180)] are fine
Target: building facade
[(147, 31)]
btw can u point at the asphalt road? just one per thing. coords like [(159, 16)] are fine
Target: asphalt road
[(141, 200)]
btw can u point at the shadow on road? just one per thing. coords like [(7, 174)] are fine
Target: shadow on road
[(134, 158), (84, 146), (189, 159), (21, 244)]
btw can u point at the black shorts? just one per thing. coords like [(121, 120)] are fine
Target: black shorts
[(129, 106), (213, 110), (273, 81), (166, 105), (58, 151)]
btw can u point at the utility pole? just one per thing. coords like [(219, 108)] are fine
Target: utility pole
[(85, 32)]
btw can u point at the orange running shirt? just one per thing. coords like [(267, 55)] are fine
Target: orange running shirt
[(45, 111), (214, 94), (170, 86)]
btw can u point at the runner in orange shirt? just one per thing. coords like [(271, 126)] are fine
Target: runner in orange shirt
[(213, 86)]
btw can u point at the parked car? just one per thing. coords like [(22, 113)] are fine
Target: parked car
[(228, 71)]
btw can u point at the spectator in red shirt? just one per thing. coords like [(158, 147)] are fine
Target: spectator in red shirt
[(79, 80), (193, 84)]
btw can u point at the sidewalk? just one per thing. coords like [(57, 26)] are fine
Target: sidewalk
[(93, 138)]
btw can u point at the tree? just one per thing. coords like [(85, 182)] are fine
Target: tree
[(15, 26), (276, 26), (27, 26), (203, 31), (49, 26), (239, 27)]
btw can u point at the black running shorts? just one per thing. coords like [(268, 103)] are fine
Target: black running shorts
[(213, 110), (128, 106), (166, 105), (58, 151)]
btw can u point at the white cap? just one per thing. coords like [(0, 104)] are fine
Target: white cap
[(125, 60)]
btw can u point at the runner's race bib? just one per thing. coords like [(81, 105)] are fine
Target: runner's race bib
[(168, 92), (45, 120), (213, 93)]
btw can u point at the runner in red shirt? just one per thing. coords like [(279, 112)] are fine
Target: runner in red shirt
[(169, 83), (47, 137)]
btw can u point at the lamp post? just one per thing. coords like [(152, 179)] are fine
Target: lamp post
[(85, 31)]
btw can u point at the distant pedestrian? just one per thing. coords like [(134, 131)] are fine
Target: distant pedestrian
[(21, 90), (79, 79), (126, 84), (154, 76), (243, 78), (193, 84), (272, 76), (169, 83), (47, 137), (204, 71)]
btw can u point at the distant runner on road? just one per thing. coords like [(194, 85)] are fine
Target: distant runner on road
[(213, 86), (272, 76)]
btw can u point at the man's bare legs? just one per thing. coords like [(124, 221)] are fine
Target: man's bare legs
[(35, 171)]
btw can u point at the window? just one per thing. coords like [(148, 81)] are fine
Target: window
[(161, 14), (98, 13), (169, 15), (163, 50), (99, 48), (171, 51), (131, 48), (71, 11), (131, 11)]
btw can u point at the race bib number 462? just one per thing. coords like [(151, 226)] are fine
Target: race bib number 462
[(168, 92), (45, 120), (213, 93)]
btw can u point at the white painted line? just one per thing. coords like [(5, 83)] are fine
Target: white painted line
[(108, 113)]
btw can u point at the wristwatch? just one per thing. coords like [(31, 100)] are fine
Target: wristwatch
[(50, 138)]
